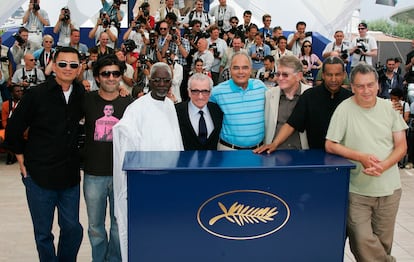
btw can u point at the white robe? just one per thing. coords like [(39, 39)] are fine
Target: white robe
[(147, 125)]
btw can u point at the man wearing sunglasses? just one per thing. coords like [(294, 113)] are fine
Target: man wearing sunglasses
[(49, 159), (191, 115), (364, 47), (103, 109), (150, 123)]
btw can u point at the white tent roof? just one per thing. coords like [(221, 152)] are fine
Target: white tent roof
[(323, 16)]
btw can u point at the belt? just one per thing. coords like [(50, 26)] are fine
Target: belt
[(239, 147)]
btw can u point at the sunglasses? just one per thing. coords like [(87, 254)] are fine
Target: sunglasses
[(64, 64), (159, 80), (107, 74), (163, 28), (204, 92), (361, 28)]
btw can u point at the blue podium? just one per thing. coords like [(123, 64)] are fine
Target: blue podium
[(236, 206)]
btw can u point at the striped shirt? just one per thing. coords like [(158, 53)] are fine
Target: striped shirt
[(243, 121)]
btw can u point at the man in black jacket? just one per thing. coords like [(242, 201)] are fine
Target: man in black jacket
[(200, 120), (49, 159)]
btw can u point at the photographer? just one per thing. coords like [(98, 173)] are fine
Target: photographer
[(337, 48), (177, 73), (364, 47), (144, 16), (198, 13), (150, 49), (167, 7), (217, 47), (222, 14), (131, 52), (22, 46), (127, 77), (141, 77), (64, 27), (28, 76), (44, 56), (388, 79), (257, 52), (114, 12), (295, 40), (137, 33), (268, 71), (6, 69), (35, 19), (86, 74), (103, 24)]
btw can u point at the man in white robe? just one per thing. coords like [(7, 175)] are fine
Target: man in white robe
[(149, 124)]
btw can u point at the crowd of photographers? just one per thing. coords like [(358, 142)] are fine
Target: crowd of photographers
[(181, 39)]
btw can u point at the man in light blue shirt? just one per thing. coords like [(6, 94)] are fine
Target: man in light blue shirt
[(242, 101)]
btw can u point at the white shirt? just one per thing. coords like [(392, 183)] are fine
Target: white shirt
[(194, 115), (147, 125)]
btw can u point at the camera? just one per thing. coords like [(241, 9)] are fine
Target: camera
[(66, 14), (29, 79), (137, 26), (104, 19), (213, 46), (307, 34), (344, 54), (36, 6), (18, 38), (4, 59), (168, 56), (83, 56), (259, 53), (220, 23), (152, 37), (272, 74), (360, 43), (145, 12), (119, 2), (130, 45)]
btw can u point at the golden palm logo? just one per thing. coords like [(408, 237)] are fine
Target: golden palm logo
[(241, 214)]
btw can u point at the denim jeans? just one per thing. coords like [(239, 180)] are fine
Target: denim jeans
[(42, 203), (98, 190)]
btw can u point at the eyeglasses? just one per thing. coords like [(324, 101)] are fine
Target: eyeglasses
[(63, 64), (306, 46), (163, 28), (204, 92), (283, 74), (159, 80), (107, 74), (361, 28)]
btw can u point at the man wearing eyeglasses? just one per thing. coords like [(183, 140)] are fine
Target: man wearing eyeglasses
[(49, 159), (103, 109), (281, 100), (312, 111), (190, 113), (364, 47), (150, 123)]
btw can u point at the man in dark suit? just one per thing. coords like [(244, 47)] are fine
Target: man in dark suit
[(200, 120)]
